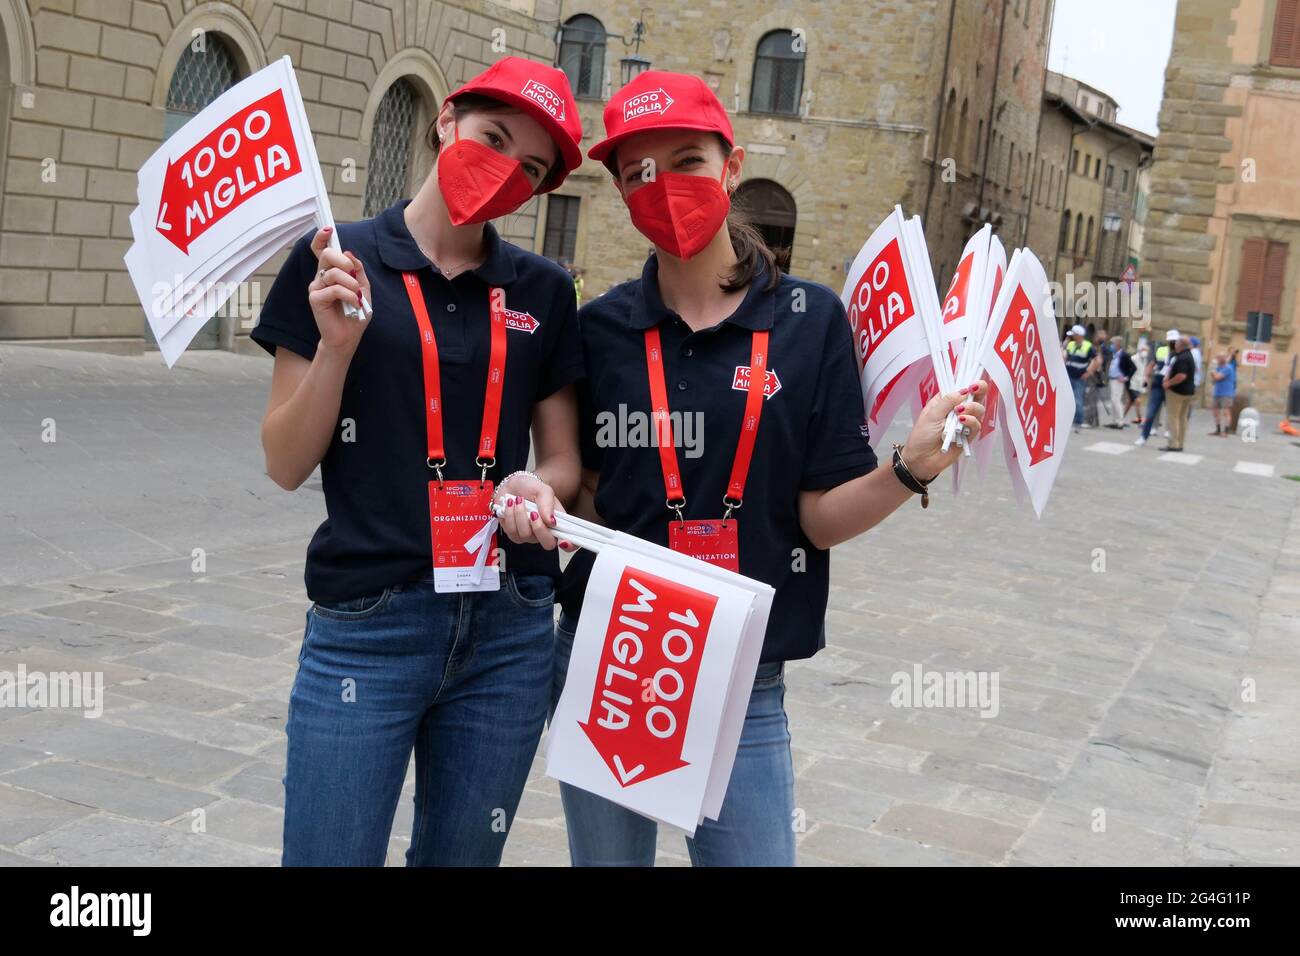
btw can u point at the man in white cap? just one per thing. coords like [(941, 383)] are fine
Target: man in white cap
[(1080, 359), (1157, 384)]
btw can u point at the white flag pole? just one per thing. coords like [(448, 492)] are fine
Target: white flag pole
[(324, 216)]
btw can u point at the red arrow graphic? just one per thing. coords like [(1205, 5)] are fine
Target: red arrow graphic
[(1020, 349), (246, 154), (649, 664)]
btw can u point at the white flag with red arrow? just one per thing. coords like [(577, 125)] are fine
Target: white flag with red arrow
[(222, 195)]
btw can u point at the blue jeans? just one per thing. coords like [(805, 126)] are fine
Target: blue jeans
[(462, 679), (1077, 385), (756, 825), (1156, 399)]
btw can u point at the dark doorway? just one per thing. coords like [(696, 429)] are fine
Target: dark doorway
[(772, 211)]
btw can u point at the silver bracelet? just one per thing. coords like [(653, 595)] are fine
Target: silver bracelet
[(514, 474)]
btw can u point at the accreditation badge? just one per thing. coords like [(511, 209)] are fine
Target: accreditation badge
[(462, 559), (714, 541)]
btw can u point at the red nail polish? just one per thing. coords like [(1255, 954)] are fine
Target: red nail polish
[(960, 409), (553, 521), (533, 515), (329, 229), (354, 273)]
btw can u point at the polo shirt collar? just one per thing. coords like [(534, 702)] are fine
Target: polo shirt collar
[(398, 249), (756, 311)]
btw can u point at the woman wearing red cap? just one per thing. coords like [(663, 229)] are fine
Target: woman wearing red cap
[(776, 468), (418, 417)]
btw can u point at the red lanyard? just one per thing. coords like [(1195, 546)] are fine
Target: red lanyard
[(664, 426), (433, 381)]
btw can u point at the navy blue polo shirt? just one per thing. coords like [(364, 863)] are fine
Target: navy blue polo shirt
[(809, 437), (376, 485)]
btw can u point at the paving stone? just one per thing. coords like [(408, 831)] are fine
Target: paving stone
[(1064, 836), (109, 614), (100, 789), (174, 692), (123, 748), (229, 671), (847, 845), (24, 814), (959, 832), (241, 821), (108, 841)]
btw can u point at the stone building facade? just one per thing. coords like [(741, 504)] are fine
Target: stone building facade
[(890, 102), (1086, 196), (844, 110), (91, 87), (1223, 235)]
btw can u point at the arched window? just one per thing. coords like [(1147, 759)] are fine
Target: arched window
[(1078, 233), (1087, 241), (204, 71), (1065, 230), (582, 54), (201, 76), (772, 211), (778, 74), (388, 172)]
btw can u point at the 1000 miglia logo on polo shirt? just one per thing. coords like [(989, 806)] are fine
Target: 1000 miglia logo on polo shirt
[(740, 381), (521, 321)]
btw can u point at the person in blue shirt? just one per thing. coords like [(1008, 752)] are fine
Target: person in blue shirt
[(710, 308), (1224, 376)]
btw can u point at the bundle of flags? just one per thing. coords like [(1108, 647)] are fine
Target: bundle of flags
[(659, 678), (996, 322), (220, 197)]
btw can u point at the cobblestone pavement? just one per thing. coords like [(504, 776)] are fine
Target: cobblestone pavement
[(1145, 635)]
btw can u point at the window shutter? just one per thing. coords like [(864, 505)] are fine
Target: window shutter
[(1252, 269), (1286, 34), (1270, 292)]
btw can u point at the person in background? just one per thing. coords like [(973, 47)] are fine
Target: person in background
[(1138, 381), (1180, 387), (1200, 362), (1156, 385), (577, 281), (1095, 395), (1078, 354), (1224, 377), (1120, 371)]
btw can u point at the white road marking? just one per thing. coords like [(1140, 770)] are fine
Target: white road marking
[(1109, 448), (1181, 457), (1254, 468)]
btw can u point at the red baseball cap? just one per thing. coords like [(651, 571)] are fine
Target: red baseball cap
[(657, 99), (541, 91)]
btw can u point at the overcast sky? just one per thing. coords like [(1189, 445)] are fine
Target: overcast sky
[(1119, 46)]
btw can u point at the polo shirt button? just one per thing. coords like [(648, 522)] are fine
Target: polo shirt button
[(689, 352), (681, 386), (451, 306)]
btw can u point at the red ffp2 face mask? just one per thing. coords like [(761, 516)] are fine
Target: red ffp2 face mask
[(478, 183), (680, 213)]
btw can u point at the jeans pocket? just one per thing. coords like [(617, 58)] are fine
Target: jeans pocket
[(353, 609), (531, 590)]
